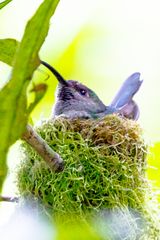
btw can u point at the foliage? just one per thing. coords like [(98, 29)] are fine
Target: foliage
[(13, 108), (153, 159), (4, 3), (8, 49)]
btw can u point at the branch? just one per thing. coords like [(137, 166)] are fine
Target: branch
[(13, 97), (40, 145), (9, 199)]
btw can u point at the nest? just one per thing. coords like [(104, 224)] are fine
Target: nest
[(105, 162)]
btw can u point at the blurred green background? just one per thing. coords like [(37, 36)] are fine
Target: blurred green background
[(99, 43)]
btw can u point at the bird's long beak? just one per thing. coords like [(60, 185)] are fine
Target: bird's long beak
[(60, 79)]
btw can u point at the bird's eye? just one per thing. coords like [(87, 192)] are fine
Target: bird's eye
[(82, 92)]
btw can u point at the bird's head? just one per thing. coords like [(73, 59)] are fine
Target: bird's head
[(74, 96)]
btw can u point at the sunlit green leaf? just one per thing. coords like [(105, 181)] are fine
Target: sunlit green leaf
[(8, 49), (153, 171), (39, 91), (4, 3), (13, 106)]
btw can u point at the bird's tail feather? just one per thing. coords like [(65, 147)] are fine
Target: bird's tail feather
[(127, 91)]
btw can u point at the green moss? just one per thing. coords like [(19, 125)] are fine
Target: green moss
[(105, 162)]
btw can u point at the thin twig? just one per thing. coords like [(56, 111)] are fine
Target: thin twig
[(8, 199), (43, 149)]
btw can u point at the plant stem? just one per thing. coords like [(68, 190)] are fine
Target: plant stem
[(8, 199), (43, 149)]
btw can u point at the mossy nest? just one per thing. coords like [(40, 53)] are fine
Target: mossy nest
[(105, 163), (104, 166)]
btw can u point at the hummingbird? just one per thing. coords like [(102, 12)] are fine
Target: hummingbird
[(75, 100)]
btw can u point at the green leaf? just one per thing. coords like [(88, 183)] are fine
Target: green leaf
[(13, 102), (154, 165), (39, 91), (8, 48), (4, 3)]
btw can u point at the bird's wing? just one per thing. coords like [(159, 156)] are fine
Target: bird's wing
[(130, 110)]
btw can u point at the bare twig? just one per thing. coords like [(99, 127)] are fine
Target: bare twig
[(8, 199), (44, 150)]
